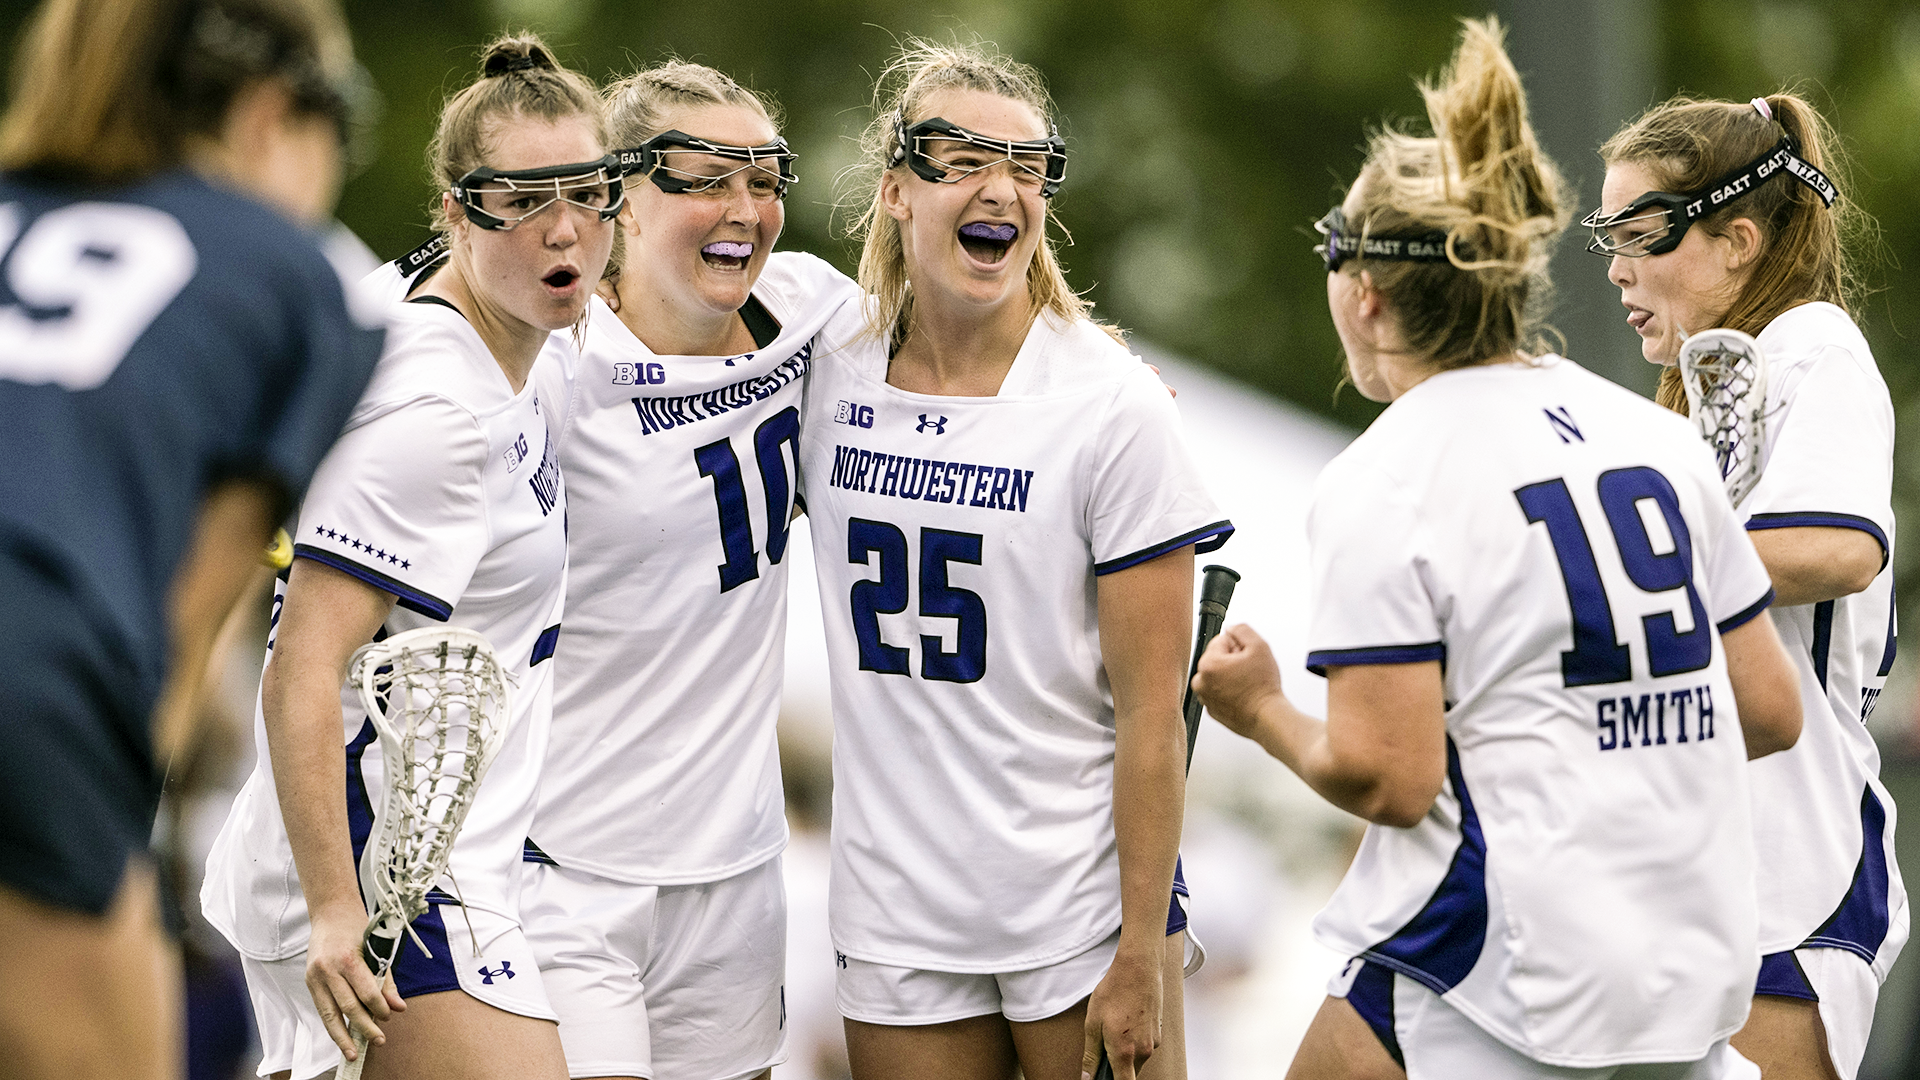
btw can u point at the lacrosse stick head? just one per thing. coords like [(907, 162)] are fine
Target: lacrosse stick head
[(1724, 374), (439, 701)]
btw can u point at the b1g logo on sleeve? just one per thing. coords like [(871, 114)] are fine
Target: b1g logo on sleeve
[(853, 415), (639, 374)]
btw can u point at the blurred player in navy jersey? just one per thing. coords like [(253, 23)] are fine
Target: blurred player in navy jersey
[(176, 355), (1776, 261)]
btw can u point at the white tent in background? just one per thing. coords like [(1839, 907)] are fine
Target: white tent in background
[(1261, 851)]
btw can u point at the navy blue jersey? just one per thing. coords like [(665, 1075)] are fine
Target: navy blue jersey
[(155, 340)]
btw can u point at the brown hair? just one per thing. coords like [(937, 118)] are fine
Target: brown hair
[(1483, 180), (638, 107), (920, 70), (108, 91), (1685, 144), (518, 77)]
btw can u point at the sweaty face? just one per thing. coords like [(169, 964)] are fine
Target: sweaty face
[(702, 251), (976, 237), (1683, 291), (542, 271)]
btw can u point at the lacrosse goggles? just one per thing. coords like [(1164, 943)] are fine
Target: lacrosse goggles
[(769, 166), (1343, 244), (593, 186), (932, 149), (1655, 223)]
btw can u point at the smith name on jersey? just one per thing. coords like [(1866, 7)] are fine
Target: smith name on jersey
[(1564, 549), (445, 491), (959, 541)]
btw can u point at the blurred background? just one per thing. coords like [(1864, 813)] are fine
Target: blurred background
[(1206, 135)]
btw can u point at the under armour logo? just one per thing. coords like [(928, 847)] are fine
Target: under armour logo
[(506, 971), (939, 426)]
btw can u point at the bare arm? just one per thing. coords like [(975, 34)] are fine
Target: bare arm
[(327, 615), (1766, 689), (1144, 624), (1809, 564), (1381, 752), (234, 525)]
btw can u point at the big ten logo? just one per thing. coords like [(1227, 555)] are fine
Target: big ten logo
[(517, 453), (639, 374), (853, 415)]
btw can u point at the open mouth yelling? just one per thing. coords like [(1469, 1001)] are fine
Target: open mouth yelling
[(560, 279), (987, 243), (726, 255)]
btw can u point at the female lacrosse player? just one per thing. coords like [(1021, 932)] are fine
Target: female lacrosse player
[(655, 902), (1772, 259), (175, 357), (1005, 516), (440, 504), (1546, 780)]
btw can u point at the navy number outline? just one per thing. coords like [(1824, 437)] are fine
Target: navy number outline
[(939, 598), (1598, 656), (718, 462)]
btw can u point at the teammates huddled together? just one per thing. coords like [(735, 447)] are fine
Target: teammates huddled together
[(604, 398)]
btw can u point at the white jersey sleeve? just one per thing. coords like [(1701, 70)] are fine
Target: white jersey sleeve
[(399, 505), (1366, 542), (1147, 493)]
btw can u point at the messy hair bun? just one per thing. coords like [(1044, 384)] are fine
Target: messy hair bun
[(1483, 180), (516, 52)]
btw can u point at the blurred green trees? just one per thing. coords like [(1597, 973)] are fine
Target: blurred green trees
[(1206, 134)]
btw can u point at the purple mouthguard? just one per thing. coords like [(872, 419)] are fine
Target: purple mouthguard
[(983, 231), (730, 250)]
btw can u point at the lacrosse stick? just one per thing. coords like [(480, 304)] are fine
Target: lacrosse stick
[(439, 701), (1725, 377)]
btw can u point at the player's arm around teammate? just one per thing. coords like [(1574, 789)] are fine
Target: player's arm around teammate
[(1445, 542), (448, 515), (1775, 260), (1000, 891), (654, 896), (159, 191)]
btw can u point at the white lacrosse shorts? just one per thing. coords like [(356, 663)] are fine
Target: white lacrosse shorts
[(502, 973), (1435, 1041), (684, 981)]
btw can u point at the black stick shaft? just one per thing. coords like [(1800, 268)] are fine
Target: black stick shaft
[(1216, 592)]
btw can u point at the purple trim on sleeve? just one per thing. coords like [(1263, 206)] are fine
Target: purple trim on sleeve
[(1318, 662), (1746, 614), (408, 597), (1204, 539), (1821, 519)]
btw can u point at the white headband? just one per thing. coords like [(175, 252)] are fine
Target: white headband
[(1760, 106)]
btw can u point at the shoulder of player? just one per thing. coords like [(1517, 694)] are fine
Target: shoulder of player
[(792, 282), (239, 235), (431, 352), (1802, 335), (1083, 356)]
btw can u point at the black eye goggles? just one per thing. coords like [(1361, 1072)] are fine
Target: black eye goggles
[(589, 185), (1656, 222), (910, 147), (654, 159), (1343, 244)]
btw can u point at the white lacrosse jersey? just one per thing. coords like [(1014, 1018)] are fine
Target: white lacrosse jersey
[(444, 490), (1820, 813), (959, 541), (664, 767), (1581, 888)]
